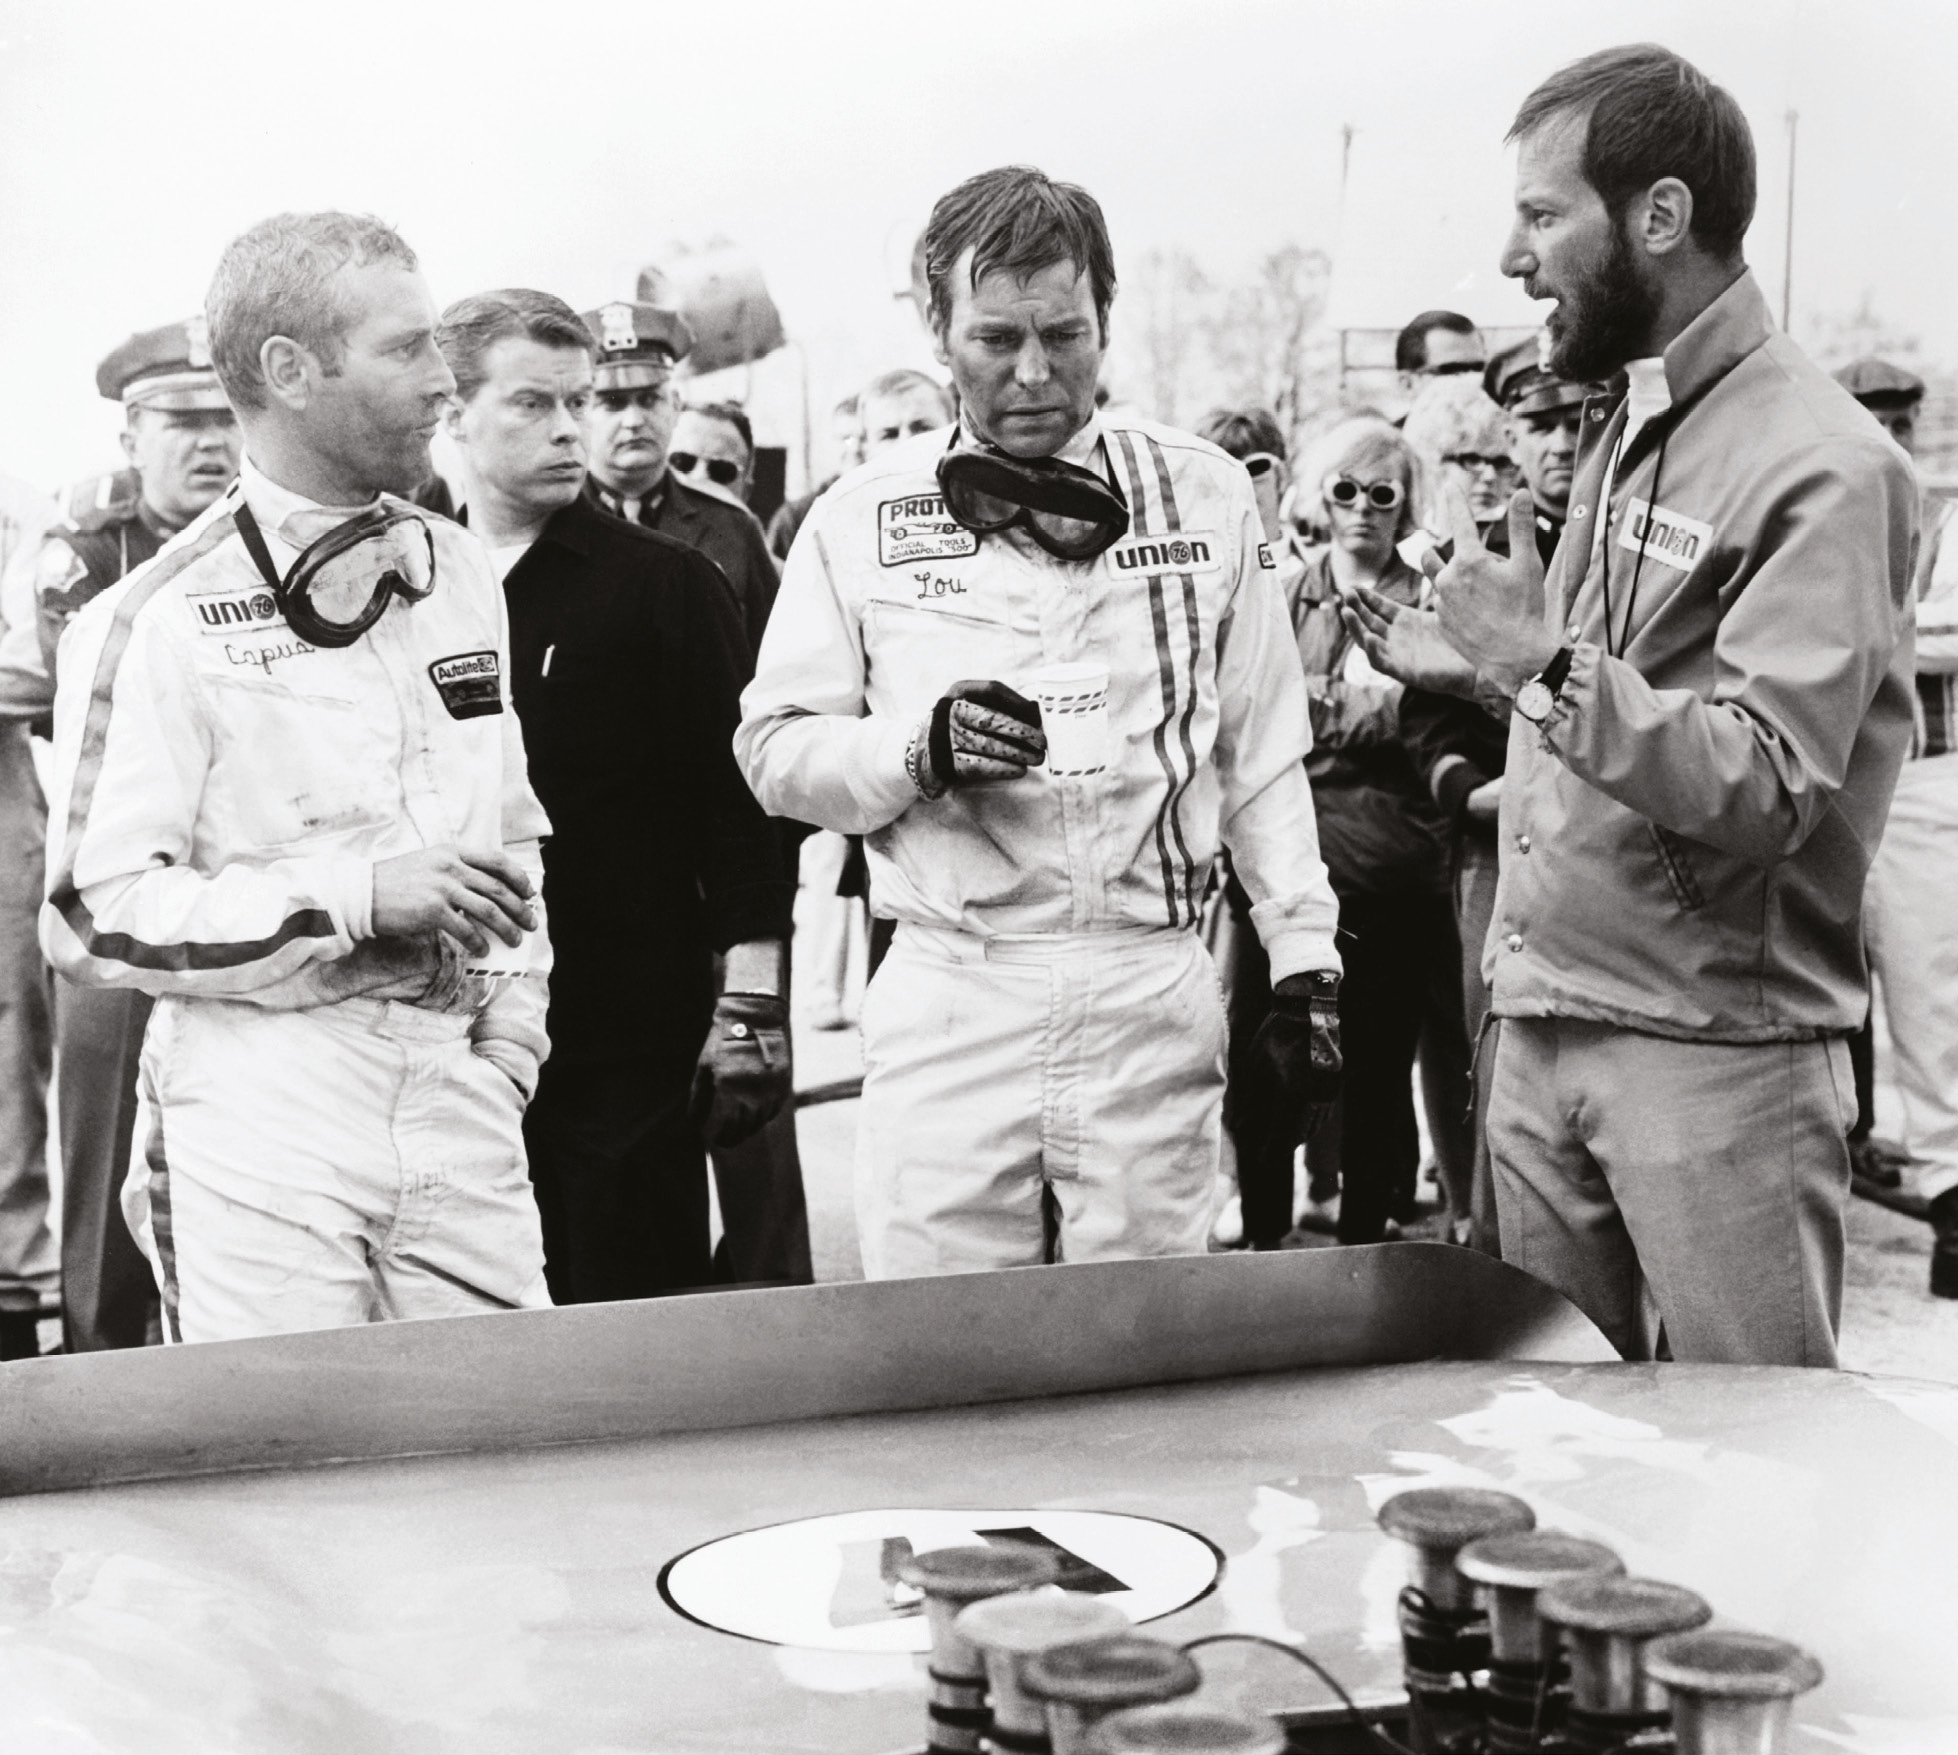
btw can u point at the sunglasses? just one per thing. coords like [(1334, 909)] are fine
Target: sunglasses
[(1260, 463), (1452, 369), (719, 469), (1383, 496)]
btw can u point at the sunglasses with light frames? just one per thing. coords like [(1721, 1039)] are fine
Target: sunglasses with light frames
[(1346, 493)]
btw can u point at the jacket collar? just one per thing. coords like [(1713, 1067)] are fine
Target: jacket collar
[(1718, 339)]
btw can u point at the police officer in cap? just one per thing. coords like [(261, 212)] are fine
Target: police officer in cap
[(1888, 392), (182, 443), (634, 407), (1545, 413)]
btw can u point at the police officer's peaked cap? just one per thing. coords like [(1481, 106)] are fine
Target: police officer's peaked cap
[(1878, 384), (1520, 383), (637, 343), (163, 368)]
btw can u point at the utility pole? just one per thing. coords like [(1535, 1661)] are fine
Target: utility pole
[(1788, 240)]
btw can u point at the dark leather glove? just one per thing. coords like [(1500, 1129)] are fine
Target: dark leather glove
[(984, 731), (1294, 1057), (744, 1075)]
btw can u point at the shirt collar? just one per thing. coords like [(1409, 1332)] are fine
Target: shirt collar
[(1083, 450), (291, 517), (1649, 394)]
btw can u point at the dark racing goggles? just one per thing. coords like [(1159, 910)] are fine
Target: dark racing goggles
[(1071, 512), (341, 585)]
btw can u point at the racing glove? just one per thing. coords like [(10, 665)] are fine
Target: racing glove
[(978, 731), (744, 1075), (1294, 1060)]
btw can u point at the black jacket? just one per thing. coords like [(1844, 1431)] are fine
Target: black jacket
[(728, 535), (626, 662)]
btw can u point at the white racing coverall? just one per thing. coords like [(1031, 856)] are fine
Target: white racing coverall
[(330, 1129), (1048, 1024)]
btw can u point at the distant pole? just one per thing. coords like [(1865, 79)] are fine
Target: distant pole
[(1788, 239), (1345, 162)]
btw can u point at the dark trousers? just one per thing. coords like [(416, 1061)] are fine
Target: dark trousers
[(108, 1291), (1394, 949), (1264, 1169), (621, 1179), (764, 1212)]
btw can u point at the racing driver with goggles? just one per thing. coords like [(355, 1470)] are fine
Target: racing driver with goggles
[(297, 811), (1040, 661)]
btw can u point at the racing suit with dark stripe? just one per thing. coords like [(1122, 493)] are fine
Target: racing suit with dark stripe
[(1046, 1038)]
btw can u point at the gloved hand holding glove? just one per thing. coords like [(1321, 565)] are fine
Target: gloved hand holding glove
[(978, 731), (744, 1075), (1294, 1057)]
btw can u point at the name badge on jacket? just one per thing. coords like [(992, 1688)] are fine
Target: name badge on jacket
[(1660, 535)]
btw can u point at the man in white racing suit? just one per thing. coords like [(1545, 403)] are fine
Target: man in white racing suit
[(290, 800), (1044, 1047)]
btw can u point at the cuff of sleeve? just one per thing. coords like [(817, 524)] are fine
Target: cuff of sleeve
[(355, 881), (1579, 692), (1455, 777), (1299, 950), (889, 780)]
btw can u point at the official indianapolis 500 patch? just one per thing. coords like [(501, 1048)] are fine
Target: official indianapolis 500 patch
[(918, 529), (469, 684)]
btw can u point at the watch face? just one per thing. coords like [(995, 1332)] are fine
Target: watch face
[(1534, 700)]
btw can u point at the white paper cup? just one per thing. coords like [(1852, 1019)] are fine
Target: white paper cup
[(1074, 713), (501, 961)]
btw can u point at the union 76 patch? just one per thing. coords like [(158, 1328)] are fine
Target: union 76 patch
[(469, 684), (920, 529)]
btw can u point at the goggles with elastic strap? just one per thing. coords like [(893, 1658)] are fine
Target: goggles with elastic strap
[(1071, 512), (341, 585)]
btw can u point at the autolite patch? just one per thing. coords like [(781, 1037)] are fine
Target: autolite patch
[(470, 684)]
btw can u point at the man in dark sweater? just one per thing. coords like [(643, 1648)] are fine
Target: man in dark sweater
[(626, 662)]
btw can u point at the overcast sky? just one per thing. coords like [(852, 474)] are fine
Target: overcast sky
[(560, 146)]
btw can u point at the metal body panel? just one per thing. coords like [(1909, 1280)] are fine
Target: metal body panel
[(506, 1602)]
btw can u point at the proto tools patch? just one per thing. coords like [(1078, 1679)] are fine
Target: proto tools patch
[(469, 684), (832, 1583), (1660, 535), (1189, 551), (920, 529)]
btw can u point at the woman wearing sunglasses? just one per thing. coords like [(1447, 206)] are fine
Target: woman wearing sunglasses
[(1382, 841)]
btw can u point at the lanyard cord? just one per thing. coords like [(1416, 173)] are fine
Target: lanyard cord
[(1638, 565), (255, 546)]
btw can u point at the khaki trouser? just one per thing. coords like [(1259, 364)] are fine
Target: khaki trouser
[(1912, 910), (27, 1259), (1705, 1177)]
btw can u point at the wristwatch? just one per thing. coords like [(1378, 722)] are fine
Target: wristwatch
[(1536, 700)]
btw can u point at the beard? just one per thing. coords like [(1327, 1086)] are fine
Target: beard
[(1604, 317)]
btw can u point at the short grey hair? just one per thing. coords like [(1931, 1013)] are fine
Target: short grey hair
[(278, 279)]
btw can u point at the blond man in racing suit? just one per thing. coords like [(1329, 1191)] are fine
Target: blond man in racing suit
[(290, 800), (1044, 1045)]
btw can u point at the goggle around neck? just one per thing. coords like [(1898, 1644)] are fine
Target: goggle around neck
[(341, 585), (1069, 511)]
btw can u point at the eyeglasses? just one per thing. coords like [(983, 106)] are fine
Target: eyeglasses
[(1260, 463), (1383, 496), (341, 585), (1071, 512), (1473, 460), (719, 469), (1452, 368)]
